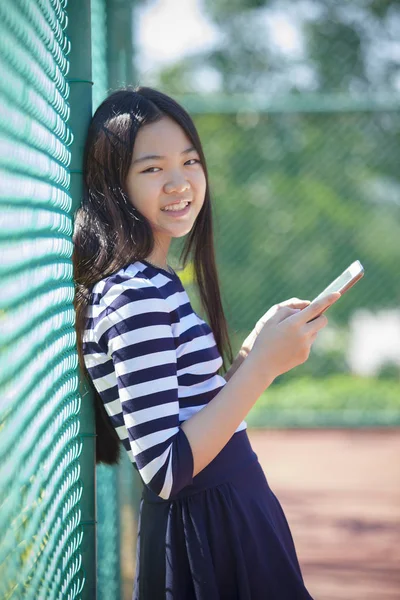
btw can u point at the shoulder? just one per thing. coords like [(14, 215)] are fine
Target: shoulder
[(133, 304), (134, 291), (128, 300), (133, 284)]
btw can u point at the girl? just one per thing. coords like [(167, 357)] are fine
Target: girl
[(210, 528)]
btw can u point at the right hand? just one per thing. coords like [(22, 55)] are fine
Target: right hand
[(285, 340)]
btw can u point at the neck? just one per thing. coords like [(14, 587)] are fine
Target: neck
[(158, 259), (158, 263), (159, 254)]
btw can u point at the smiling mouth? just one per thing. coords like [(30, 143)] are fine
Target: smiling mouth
[(176, 207), (178, 214)]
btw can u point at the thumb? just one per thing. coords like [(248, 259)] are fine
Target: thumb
[(295, 303), (283, 312)]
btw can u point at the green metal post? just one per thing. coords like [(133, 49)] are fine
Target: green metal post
[(80, 80), (120, 43)]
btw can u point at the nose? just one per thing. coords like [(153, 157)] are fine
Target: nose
[(176, 184)]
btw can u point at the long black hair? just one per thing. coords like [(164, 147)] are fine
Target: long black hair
[(109, 233)]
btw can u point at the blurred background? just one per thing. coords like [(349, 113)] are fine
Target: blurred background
[(297, 106), (298, 109)]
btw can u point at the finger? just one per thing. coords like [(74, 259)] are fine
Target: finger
[(317, 308), (295, 303), (314, 326), (292, 303)]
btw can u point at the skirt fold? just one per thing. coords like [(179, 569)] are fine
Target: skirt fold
[(225, 537)]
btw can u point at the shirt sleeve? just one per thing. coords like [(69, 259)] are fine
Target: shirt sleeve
[(136, 328)]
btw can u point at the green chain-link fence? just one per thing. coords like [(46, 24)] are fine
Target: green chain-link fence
[(301, 188), (301, 126), (48, 546), (40, 487), (117, 488), (108, 521), (300, 191)]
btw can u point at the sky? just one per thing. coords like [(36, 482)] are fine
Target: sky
[(166, 32)]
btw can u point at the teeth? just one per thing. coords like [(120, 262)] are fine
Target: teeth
[(176, 207)]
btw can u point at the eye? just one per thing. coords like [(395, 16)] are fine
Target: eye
[(151, 170), (193, 161)]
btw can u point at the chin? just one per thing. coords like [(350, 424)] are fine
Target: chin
[(183, 232)]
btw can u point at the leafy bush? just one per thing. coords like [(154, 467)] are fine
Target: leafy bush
[(338, 399)]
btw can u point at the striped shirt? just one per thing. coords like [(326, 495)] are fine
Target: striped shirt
[(154, 362)]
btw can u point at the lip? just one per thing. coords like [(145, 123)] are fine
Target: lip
[(178, 201), (177, 213)]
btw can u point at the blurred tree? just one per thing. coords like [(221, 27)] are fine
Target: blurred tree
[(282, 46), (301, 194), (346, 46)]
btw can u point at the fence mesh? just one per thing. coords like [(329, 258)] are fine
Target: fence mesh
[(298, 108), (108, 575), (299, 193), (40, 487), (297, 198), (300, 189), (116, 494)]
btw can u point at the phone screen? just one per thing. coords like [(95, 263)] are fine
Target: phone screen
[(345, 280)]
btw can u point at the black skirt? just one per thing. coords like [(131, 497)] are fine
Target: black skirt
[(225, 537)]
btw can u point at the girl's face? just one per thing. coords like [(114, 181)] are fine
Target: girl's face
[(166, 169)]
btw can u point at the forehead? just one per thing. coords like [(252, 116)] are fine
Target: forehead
[(163, 137)]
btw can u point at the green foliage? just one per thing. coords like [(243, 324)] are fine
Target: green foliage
[(221, 9), (299, 194), (337, 392), (295, 204), (333, 49), (334, 401)]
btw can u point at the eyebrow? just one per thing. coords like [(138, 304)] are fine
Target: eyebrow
[(157, 157)]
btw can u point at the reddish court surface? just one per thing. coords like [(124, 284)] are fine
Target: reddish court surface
[(340, 490)]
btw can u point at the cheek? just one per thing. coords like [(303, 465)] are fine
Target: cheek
[(200, 185), (141, 192)]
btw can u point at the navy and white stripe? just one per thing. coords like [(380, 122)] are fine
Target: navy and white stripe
[(154, 362)]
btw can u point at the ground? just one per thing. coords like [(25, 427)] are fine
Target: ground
[(340, 490)]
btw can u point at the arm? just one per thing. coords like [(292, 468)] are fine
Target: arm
[(136, 331), (285, 343), (219, 419)]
